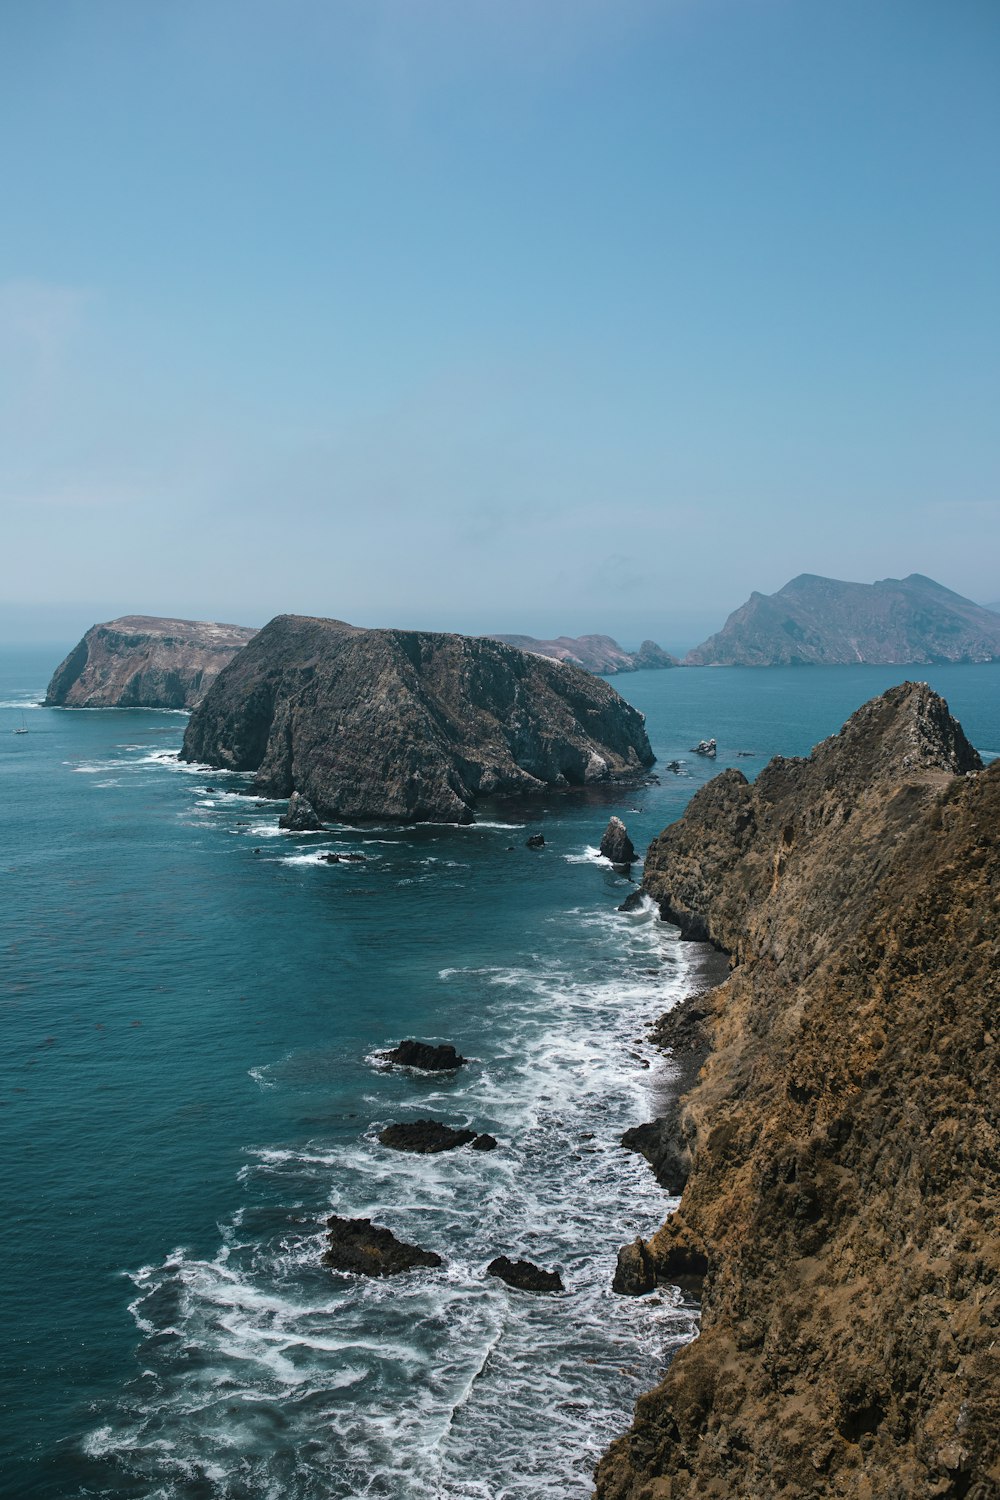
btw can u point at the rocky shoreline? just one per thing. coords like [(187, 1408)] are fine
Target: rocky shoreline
[(841, 1148)]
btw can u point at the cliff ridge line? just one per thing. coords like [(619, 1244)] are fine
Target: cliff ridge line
[(844, 1182)]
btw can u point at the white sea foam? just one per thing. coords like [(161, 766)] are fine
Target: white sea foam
[(268, 1375), (589, 856)]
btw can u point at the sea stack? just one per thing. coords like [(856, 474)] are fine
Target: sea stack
[(141, 661), (616, 844), (410, 726), (844, 1187)]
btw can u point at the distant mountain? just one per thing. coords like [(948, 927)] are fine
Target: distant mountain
[(897, 621), (595, 653), (143, 661)]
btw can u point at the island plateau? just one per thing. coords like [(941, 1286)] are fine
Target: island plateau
[(408, 725), (841, 1146), (141, 661), (595, 653), (812, 620)]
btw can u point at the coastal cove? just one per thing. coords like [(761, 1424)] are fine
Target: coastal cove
[(193, 1005)]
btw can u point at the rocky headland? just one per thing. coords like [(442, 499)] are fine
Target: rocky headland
[(140, 661), (822, 621), (595, 653), (409, 726), (841, 1147)]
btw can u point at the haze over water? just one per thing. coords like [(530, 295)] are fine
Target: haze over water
[(193, 1003)]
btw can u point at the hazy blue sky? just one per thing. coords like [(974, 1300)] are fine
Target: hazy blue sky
[(535, 314)]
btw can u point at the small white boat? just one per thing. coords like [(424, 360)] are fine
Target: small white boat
[(24, 727)]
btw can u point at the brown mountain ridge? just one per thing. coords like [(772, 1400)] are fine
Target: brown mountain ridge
[(843, 1140)]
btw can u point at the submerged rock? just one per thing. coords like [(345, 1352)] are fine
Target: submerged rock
[(300, 815), (524, 1276), (425, 1136), (367, 1249), (408, 725), (426, 1056), (616, 844)]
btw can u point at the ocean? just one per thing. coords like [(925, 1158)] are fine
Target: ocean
[(194, 1004)]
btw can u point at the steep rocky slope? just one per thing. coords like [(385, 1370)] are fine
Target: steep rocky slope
[(141, 661), (821, 620), (595, 653), (408, 725), (843, 1140)]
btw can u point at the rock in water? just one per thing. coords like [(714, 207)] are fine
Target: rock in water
[(300, 816), (426, 1056), (485, 1143), (844, 1134), (616, 844), (365, 1248), (535, 841), (635, 1274), (143, 662), (368, 1249), (524, 1276), (409, 726), (426, 1137)]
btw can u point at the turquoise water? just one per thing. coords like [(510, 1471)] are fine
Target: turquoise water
[(192, 1002)]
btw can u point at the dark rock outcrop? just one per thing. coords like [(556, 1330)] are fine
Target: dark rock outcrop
[(140, 661), (427, 1137), (635, 1273), (616, 844), (409, 726), (524, 1276), (367, 1249), (896, 621), (485, 1143), (595, 653), (845, 1180), (425, 1056), (300, 816), (535, 841)]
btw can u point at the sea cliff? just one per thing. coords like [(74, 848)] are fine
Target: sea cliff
[(143, 661), (408, 725), (841, 1144)]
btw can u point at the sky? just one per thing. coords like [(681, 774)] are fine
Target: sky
[(547, 316)]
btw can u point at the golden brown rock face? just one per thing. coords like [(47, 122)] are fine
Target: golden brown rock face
[(846, 1178)]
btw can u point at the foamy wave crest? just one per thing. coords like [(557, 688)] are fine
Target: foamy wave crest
[(267, 1374)]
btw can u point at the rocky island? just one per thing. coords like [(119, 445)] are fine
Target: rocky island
[(142, 661), (813, 620), (409, 726), (595, 653), (841, 1148)]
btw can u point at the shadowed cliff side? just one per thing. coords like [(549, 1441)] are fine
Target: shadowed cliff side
[(409, 725), (845, 1182)]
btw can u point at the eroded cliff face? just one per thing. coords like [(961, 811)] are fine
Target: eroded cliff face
[(142, 661), (409, 725), (845, 1177)]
